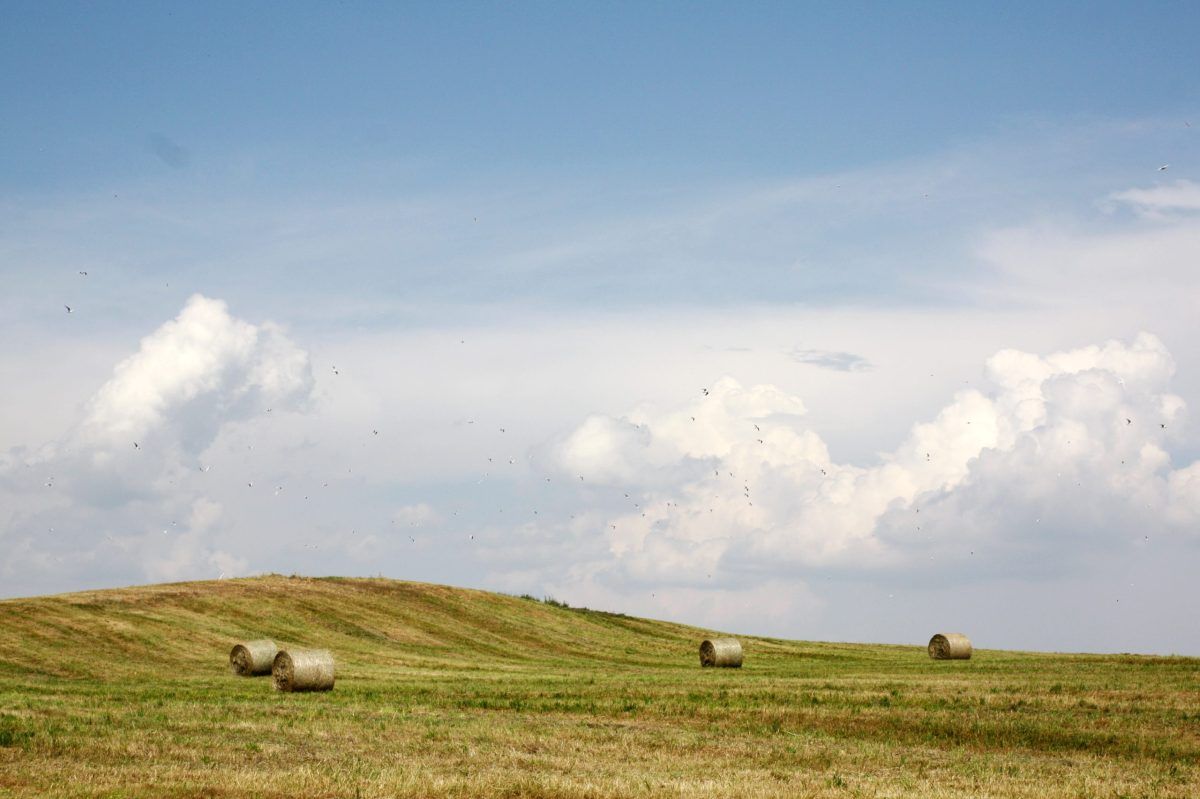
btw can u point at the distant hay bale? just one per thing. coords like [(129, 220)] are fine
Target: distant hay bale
[(253, 657), (725, 652), (950, 646), (303, 670)]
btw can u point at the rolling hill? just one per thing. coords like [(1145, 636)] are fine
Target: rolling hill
[(453, 692)]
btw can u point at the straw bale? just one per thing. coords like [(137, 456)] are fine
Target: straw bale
[(725, 652), (950, 646), (303, 670), (252, 657)]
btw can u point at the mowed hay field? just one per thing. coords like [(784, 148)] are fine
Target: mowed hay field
[(449, 692)]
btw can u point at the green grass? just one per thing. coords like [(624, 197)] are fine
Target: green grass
[(449, 692)]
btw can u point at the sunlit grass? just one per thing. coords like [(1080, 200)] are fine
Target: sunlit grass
[(446, 692)]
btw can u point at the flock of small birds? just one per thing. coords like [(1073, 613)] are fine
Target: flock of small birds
[(745, 487)]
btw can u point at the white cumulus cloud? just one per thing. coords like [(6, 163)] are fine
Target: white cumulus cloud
[(198, 371), (1073, 445), (124, 485)]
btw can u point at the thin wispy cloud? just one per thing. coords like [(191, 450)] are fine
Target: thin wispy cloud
[(1179, 197), (168, 151), (826, 359)]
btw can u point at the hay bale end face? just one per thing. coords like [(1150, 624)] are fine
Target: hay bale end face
[(725, 652), (303, 670), (253, 657), (950, 646)]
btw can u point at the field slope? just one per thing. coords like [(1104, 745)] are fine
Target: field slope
[(450, 692)]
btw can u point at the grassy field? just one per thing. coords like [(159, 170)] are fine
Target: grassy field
[(449, 692)]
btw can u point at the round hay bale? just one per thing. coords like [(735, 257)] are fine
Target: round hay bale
[(950, 646), (726, 652), (252, 657), (303, 670)]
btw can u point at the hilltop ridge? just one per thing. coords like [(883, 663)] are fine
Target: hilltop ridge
[(366, 621)]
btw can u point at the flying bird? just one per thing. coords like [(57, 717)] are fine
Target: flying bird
[(705, 390), (68, 307), (83, 273), (1163, 168)]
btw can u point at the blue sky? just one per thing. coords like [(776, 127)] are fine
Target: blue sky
[(372, 287), (686, 91)]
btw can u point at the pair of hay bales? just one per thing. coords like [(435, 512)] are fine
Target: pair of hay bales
[(290, 670)]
